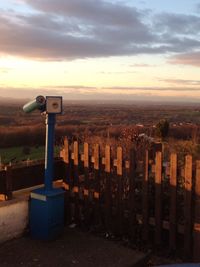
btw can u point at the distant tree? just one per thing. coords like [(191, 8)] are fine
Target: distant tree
[(162, 128)]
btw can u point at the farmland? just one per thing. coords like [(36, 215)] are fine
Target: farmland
[(23, 153), (89, 121)]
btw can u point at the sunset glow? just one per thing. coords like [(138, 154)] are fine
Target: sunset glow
[(95, 49)]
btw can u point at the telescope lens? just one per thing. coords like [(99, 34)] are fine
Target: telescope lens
[(40, 100)]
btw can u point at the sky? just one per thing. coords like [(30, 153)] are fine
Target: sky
[(100, 49)]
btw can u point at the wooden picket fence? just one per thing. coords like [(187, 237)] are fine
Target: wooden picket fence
[(145, 201)]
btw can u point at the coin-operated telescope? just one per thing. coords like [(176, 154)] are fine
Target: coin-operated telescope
[(47, 203), (50, 105)]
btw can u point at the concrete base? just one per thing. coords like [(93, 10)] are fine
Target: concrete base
[(13, 218)]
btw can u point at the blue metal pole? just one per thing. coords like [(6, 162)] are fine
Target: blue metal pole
[(49, 151)]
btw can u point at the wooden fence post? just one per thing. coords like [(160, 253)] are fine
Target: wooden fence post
[(158, 198), (172, 212), (120, 188), (108, 194), (65, 151), (86, 185), (9, 187), (75, 182), (97, 184), (86, 168), (66, 158), (132, 176), (65, 154), (188, 207), (196, 229), (96, 171), (76, 167), (145, 200)]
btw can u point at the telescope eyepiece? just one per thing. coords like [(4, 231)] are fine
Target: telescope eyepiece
[(40, 99)]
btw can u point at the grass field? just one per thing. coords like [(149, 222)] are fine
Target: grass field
[(16, 154)]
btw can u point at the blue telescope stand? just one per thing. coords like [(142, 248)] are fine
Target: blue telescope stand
[(47, 203)]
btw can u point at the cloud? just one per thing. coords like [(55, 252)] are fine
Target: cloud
[(33, 38), (116, 72), (67, 30), (182, 82), (160, 89), (192, 59), (198, 7), (80, 88), (114, 94), (179, 24), (142, 65), (90, 11)]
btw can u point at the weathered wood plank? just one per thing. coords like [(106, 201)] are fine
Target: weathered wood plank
[(172, 212), (132, 176), (196, 229), (86, 155), (145, 200), (75, 209), (97, 183), (76, 153), (119, 161), (66, 151), (119, 189), (67, 182), (188, 207), (66, 160), (86, 170), (86, 189), (107, 159), (76, 164), (96, 157), (108, 195), (9, 184), (158, 198)]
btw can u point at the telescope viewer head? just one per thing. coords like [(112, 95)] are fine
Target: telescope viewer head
[(38, 103), (50, 104)]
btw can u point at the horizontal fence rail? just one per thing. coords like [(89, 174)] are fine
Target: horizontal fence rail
[(17, 177), (146, 201)]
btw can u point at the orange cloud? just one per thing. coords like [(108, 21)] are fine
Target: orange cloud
[(187, 59)]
